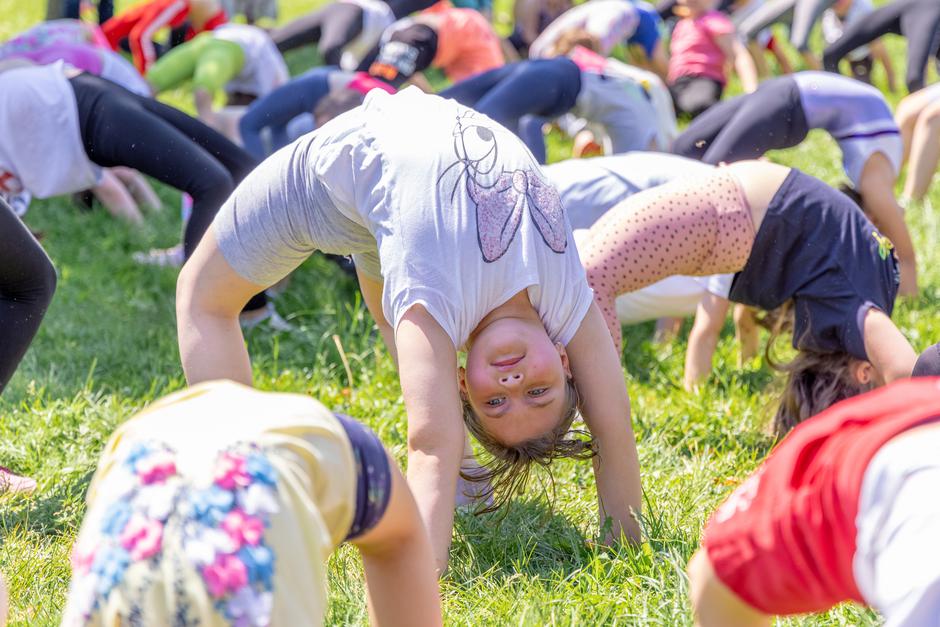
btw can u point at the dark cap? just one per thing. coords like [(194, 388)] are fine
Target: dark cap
[(408, 50)]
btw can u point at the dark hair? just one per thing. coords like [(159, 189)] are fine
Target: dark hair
[(815, 381), (335, 104), (507, 471)]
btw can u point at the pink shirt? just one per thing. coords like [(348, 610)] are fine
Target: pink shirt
[(693, 49)]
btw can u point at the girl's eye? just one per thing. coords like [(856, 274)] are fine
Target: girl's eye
[(537, 391), (495, 402)]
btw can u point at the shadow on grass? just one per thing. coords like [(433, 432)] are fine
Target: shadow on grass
[(528, 538)]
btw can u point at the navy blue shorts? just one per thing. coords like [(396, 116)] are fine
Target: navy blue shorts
[(817, 247)]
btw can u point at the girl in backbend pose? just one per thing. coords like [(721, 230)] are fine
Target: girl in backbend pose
[(589, 188), (96, 124), (786, 236), (479, 258), (219, 505), (524, 96), (237, 58), (781, 113)]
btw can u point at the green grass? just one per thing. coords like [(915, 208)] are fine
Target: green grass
[(107, 348)]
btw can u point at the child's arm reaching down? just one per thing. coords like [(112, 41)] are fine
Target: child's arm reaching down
[(427, 366), (605, 406)]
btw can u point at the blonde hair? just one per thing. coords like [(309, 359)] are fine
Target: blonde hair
[(508, 469), (570, 39)]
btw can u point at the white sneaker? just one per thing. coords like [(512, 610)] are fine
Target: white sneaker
[(270, 316), (163, 257)]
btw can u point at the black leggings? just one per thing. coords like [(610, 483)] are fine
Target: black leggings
[(694, 95), (747, 126), (119, 128), (331, 29), (27, 282), (916, 20)]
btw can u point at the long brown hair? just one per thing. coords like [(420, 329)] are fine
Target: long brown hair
[(815, 380), (509, 467)]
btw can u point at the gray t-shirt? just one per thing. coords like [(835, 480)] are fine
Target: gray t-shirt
[(453, 206)]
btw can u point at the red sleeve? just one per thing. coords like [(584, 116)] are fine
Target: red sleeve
[(157, 15)]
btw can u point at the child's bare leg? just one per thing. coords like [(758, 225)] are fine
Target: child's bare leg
[(925, 153), (909, 109), (713, 603), (746, 332), (667, 329), (116, 199), (811, 60), (782, 59), (760, 62), (140, 189)]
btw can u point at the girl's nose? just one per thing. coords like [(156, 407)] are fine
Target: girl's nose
[(511, 379)]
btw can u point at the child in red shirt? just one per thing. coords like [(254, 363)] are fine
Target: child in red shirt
[(702, 43), (142, 22), (844, 508)]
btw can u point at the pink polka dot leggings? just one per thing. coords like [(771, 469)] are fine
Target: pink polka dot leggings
[(697, 227)]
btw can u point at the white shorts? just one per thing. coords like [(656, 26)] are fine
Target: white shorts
[(897, 559)]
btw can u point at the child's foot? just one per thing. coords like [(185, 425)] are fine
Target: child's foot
[(268, 314), (471, 494), (10, 482), (163, 257)]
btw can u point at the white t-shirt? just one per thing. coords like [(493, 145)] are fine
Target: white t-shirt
[(590, 187), (855, 114), (611, 21), (376, 17), (461, 224), (41, 148), (264, 68)]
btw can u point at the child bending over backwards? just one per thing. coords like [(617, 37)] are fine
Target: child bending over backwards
[(844, 509), (589, 188), (782, 112), (237, 58), (786, 236), (219, 505), (523, 96), (460, 243)]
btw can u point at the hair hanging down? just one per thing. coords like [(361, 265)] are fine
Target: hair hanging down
[(572, 38), (815, 380), (335, 104), (507, 472)]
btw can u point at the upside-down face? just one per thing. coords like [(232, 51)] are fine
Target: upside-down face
[(516, 380)]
